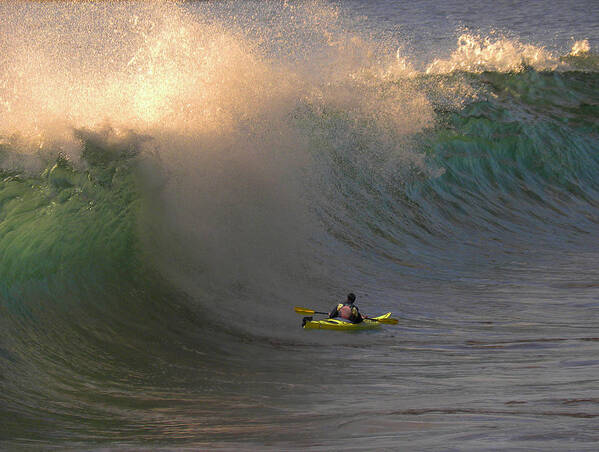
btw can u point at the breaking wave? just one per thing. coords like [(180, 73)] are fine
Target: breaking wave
[(172, 182)]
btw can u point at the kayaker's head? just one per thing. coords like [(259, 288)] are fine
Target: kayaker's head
[(351, 298)]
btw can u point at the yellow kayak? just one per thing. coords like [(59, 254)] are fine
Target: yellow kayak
[(337, 324)]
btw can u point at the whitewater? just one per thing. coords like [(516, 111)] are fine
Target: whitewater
[(175, 177)]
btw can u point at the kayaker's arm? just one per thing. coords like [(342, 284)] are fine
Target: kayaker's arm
[(334, 313), (356, 316)]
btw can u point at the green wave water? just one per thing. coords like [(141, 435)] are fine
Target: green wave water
[(66, 221)]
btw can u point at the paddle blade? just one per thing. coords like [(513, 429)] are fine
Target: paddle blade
[(304, 310), (388, 321)]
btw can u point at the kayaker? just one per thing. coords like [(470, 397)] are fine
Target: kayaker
[(347, 310)]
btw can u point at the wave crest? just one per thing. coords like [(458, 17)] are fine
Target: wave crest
[(478, 54)]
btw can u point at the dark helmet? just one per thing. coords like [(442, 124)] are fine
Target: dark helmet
[(351, 297)]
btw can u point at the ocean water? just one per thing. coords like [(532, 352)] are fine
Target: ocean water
[(175, 177)]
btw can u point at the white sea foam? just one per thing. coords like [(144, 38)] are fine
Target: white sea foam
[(580, 48), (155, 65), (477, 54)]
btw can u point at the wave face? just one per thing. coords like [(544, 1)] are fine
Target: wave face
[(174, 177)]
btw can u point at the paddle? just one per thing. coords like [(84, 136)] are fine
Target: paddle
[(299, 310)]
